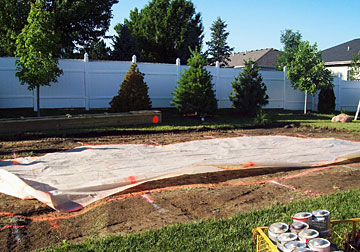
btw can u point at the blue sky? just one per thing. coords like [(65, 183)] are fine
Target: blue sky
[(257, 24)]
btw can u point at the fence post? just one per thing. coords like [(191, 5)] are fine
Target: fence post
[(339, 91), (217, 84), (86, 80), (284, 88), (178, 69), (133, 59)]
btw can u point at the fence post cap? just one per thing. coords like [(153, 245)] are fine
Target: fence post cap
[(86, 57), (134, 59), (217, 64), (178, 61)]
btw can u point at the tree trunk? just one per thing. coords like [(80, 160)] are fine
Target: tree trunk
[(305, 103), (38, 100)]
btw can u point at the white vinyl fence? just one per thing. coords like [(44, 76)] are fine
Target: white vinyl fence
[(92, 84)]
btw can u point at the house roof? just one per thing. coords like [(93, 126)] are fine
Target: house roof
[(263, 57), (341, 53)]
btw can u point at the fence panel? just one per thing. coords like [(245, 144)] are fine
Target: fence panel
[(93, 84), (12, 93)]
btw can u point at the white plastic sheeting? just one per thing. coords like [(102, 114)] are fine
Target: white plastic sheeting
[(72, 179)]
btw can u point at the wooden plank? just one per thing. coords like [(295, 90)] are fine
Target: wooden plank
[(79, 121)]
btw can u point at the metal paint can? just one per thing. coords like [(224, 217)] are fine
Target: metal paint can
[(302, 250), (291, 245), (298, 226), (321, 222), (285, 238), (276, 229), (308, 234), (320, 245), (303, 216)]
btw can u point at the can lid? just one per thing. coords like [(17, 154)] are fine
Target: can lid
[(321, 213), (294, 244), (278, 227), (285, 237), (298, 225), (308, 233), (319, 243), (302, 215)]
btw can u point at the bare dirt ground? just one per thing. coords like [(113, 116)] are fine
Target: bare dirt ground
[(28, 225)]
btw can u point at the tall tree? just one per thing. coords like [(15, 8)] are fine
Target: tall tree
[(291, 41), (13, 16), (307, 71), (78, 22), (97, 50), (354, 73), (194, 93), (166, 29), (249, 90), (124, 44), (35, 47), (218, 49)]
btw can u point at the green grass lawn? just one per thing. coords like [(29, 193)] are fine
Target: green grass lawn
[(232, 234), (172, 120)]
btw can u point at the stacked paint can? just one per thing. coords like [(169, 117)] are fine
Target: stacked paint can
[(306, 233), (321, 222)]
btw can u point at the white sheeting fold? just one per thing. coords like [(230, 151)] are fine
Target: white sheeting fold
[(72, 179)]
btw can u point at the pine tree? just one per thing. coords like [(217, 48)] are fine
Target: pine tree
[(218, 47), (97, 50), (249, 90), (133, 93), (125, 45), (194, 93), (327, 100)]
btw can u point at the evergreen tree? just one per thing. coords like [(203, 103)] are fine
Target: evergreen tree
[(249, 90), (125, 45), (97, 50), (218, 47), (194, 93), (166, 29), (327, 100), (133, 93), (36, 46)]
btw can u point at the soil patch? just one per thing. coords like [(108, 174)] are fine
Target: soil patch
[(175, 200)]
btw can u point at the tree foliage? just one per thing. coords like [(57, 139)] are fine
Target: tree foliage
[(133, 93), (307, 71), (218, 49), (354, 73), (166, 29), (36, 45), (78, 22), (194, 93), (13, 18), (124, 44), (327, 100), (97, 50), (291, 41), (249, 90)]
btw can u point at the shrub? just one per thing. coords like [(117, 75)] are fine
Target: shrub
[(194, 93), (133, 93), (326, 101), (249, 91)]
